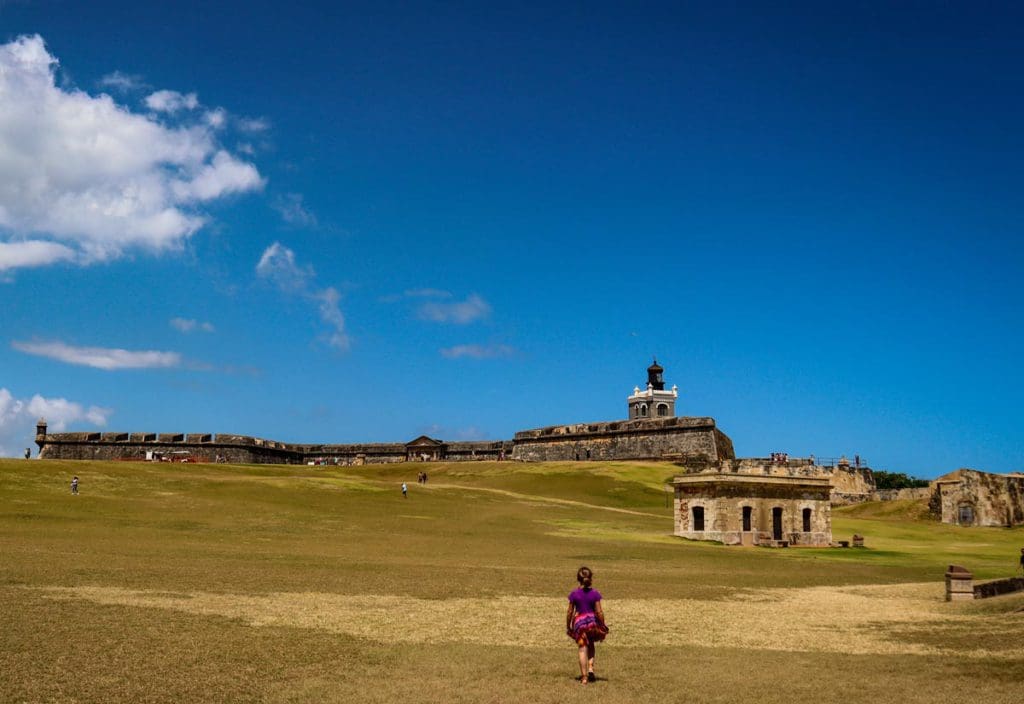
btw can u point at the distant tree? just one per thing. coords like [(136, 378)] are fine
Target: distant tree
[(897, 480)]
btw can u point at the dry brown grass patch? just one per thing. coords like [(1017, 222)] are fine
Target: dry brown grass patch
[(860, 620)]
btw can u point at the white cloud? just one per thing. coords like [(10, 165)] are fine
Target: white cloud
[(331, 314), (83, 178), (458, 312), (187, 325), (18, 418), (293, 211), (100, 357), (122, 82), (171, 101), (478, 351), (278, 266), (216, 118), (17, 255)]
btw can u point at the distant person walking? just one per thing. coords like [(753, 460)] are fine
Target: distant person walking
[(74, 485), (1022, 559), (584, 622), (405, 491)]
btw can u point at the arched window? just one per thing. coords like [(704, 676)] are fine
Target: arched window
[(643, 409), (807, 520), (662, 409), (698, 518)]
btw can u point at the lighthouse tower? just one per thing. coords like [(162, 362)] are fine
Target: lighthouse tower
[(654, 401)]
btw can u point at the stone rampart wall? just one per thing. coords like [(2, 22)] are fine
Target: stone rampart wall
[(242, 449), (656, 438), (907, 494)]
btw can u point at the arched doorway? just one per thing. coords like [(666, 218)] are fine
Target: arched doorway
[(698, 518)]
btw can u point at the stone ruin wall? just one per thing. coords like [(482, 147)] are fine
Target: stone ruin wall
[(655, 439), (850, 485), (995, 499)]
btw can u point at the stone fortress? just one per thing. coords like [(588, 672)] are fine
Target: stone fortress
[(702, 454), (652, 432)]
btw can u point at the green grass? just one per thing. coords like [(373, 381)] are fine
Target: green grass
[(173, 583)]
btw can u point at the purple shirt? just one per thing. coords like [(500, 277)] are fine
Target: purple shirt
[(584, 600)]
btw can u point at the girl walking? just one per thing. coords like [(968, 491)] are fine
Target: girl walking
[(584, 622)]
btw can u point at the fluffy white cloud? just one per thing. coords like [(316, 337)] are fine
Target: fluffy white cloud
[(18, 418), (83, 178), (187, 325), (171, 101), (100, 357), (16, 255), (278, 266), (458, 312), (478, 351)]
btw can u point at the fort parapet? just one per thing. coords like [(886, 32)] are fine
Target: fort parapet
[(651, 438)]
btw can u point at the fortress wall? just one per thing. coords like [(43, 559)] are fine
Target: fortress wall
[(491, 450), (84, 446), (242, 449), (993, 499), (638, 439), (353, 454)]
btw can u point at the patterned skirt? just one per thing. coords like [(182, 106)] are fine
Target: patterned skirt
[(586, 629)]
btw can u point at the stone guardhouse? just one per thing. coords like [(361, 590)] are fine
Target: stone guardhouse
[(738, 509)]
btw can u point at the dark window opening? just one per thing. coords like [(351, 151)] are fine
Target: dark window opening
[(777, 523), (966, 515), (698, 518), (662, 409), (748, 513), (807, 520)]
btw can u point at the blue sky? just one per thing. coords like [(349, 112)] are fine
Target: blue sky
[(361, 222)]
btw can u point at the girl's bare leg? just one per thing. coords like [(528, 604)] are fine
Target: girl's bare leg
[(591, 651), (583, 664)]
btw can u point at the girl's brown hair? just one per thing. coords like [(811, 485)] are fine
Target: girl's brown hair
[(584, 576)]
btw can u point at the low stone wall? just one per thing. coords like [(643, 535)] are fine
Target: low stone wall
[(908, 494), (998, 587)]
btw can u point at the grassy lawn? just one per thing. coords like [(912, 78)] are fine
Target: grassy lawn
[(184, 583)]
